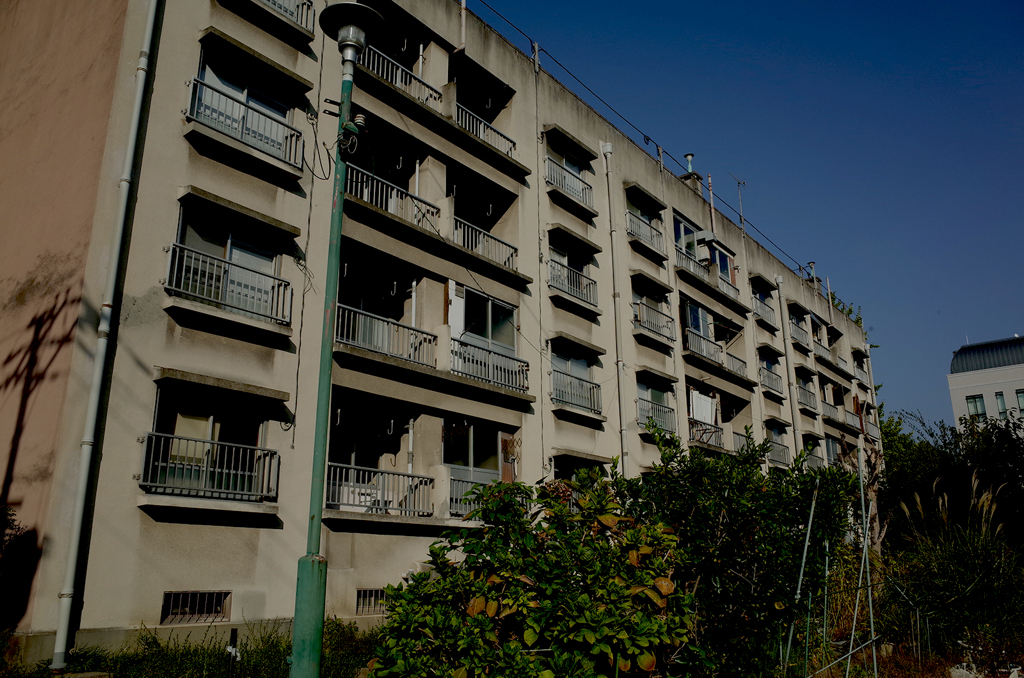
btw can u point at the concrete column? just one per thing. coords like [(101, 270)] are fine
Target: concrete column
[(433, 182), (435, 66), (447, 222), (449, 98)]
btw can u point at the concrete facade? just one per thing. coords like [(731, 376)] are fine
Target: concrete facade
[(987, 378), (478, 337)]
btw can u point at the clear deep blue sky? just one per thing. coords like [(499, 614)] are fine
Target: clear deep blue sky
[(884, 141)]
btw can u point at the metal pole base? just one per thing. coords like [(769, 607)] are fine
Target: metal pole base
[(308, 628)]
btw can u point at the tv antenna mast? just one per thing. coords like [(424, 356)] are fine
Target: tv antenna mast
[(739, 189)]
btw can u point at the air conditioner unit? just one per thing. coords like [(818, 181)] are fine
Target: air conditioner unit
[(704, 237)]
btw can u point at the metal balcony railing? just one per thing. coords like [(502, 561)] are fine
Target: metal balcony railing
[(739, 441), (703, 346), (485, 244), (458, 503), (638, 228), (806, 397), (483, 130), (688, 263), (572, 282), (576, 392), (861, 374), (821, 351), (389, 70), (778, 453), (224, 283), (702, 432), (487, 365), (299, 11), (664, 416), (390, 198), (815, 460), (830, 410), (381, 335), (569, 183), (208, 468), (735, 365), (852, 419), (763, 310), (727, 288), (872, 429), (800, 334), (223, 111), (770, 380), (653, 320), (377, 491), (843, 364)]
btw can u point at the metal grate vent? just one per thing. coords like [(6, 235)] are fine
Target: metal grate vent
[(370, 601), (195, 607)]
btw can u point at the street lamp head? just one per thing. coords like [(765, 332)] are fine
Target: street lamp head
[(348, 22), (689, 162)]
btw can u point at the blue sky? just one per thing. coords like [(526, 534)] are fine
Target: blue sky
[(884, 141)]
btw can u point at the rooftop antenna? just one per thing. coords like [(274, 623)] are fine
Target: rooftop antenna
[(739, 189)]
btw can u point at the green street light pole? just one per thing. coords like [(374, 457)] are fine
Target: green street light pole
[(345, 22)]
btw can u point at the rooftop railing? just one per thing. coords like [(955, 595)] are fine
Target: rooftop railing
[(483, 130), (727, 288), (770, 380), (653, 320), (569, 183), (572, 282), (638, 228), (489, 366), (299, 11), (390, 198), (735, 365), (778, 453), (208, 468), (221, 110), (664, 416), (830, 410), (806, 397), (381, 335), (377, 491), (763, 310), (485, 244), (224, 283), (800, 334), (703, 432), (688, 263), (401, 77), (703, 346), (575, 392)]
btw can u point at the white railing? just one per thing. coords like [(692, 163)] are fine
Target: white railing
[(569, 183), (225, 283), (770, 380), (727, 288), (872, 429), (381, 335), (638, 228), (852, 419), (763, 310), (702, 432), (208, 468), (664, 416), (401, 77), (739, 441), (490, 366), (777, 452), (800, 334), (377, 491), (736, 365), (830, 410), (842, 363), (703, 346), (861, 374), (483, 130), (571, 281), (386, 196), (691, 265), (653, 320), (458, 503), (299, 11), (575, 392), (222, 111), (484, 244), (806, 397), (821, 351)]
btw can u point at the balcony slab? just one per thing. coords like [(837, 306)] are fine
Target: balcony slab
[(166, 508), (578, 416), (208, 318), (218, 146), (358, 522)]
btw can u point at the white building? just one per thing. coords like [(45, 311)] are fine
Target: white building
[(987, 379)]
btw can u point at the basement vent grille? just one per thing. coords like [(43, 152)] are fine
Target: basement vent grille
[(370, 601), (195, 607)]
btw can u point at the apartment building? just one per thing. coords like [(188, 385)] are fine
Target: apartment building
[(505, 248), (986, 379)]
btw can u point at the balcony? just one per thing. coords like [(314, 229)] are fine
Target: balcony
[(458, 504), (484, 244), (575, 392), (654, 321), (687, 263), (843, 364), (702, 346), (572, 282), (220, 110), (664, 416), (489, 366), (763, 311), (770, 380), (861, 374), (375, 491), (704, 433), (778, 453), (482, 130), (299, 11), (821, 351), (872, 429), (389, 198), (852, 419), (220, 282), (208, 468), (800, 335), (572, 186), (806, 398), (735, 365), (646, 234), (390, 71), (830, 411), (739, 441), (381, 335), (728, 289)]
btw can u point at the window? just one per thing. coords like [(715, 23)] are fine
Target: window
[(566, 162), (370, 602), (195, 607), (698, 320), (637, 212), (576, 367), (1020, 402), (651, 394), (723, 262), (831, 450), (686, 237), (1001, 404), (775, 433), (770, 363), (490, 323), (797, 320), (976, 406)]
